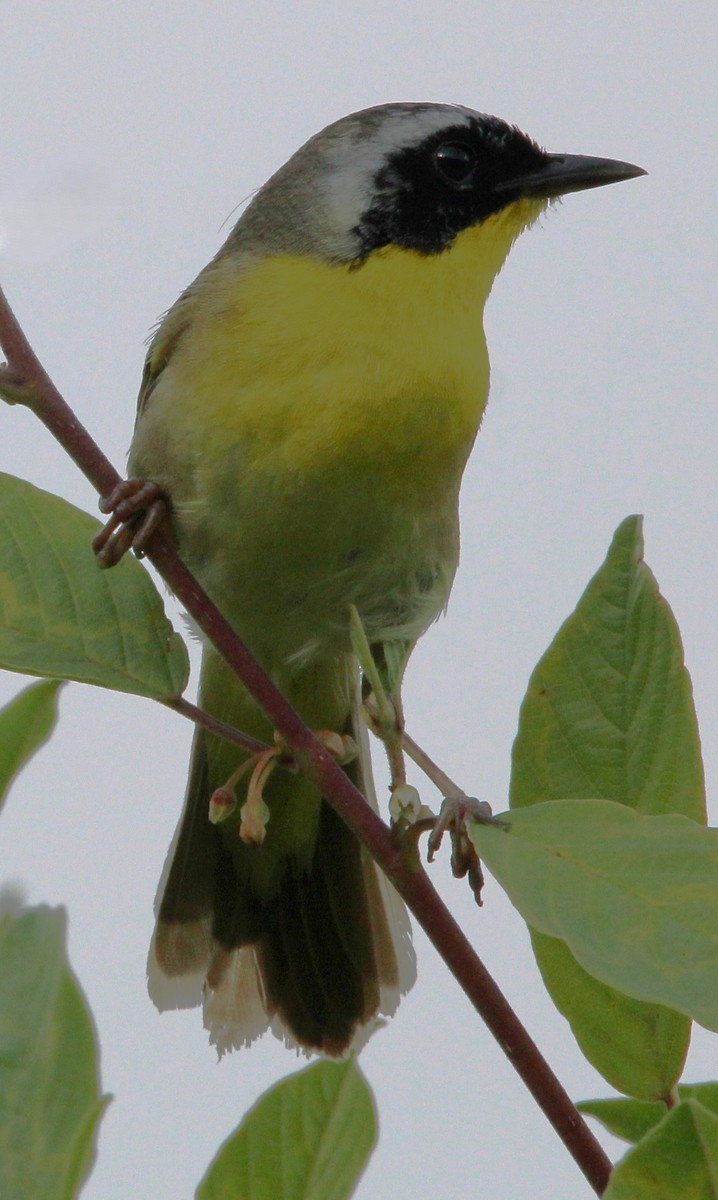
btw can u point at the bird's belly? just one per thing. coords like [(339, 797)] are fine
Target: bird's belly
[(286, 554), (330, 479)]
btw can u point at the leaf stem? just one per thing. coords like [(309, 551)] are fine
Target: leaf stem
[(213, 725)]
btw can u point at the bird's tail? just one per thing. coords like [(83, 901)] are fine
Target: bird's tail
[(303, 934)]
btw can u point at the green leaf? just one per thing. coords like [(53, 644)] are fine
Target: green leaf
[(633, 1119), (706, 1093), (25, 723), (62, 617), (50, 1102), (609, 709), (609, 713), (635, 898), (307, 1138), (627, 1119), (678, 1160), (639, 1048)]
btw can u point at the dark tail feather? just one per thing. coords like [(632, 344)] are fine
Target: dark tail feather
[(314, 945), (318, 961), (182, 945)]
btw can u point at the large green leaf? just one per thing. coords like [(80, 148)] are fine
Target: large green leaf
[(609, 713), (634, 897), (678, 1160), (633, 1119), (609, 709), (307, 1138), (50, 1101), (640, 1048), (25, 723), (62, 617)]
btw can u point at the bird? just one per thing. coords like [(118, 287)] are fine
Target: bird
[(308, 406)]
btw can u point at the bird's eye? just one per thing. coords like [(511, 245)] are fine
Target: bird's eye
[(455, 162)]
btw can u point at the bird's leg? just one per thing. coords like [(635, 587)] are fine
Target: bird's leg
[(457, 808), (137, 507)]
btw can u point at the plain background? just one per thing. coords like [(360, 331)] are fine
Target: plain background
[(129, 134)]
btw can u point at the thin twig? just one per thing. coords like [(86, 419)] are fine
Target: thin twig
[(213, 725), (30, 384)]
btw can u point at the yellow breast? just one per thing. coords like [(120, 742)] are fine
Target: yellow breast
[(310, 364), (312, 424)]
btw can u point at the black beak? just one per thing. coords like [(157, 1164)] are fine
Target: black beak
[(564, 173)]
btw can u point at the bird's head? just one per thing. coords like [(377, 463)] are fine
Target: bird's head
[(412, 176)]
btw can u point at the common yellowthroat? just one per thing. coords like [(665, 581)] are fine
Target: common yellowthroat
[(308, 405)]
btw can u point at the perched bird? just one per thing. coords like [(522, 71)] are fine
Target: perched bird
[(308, 406)]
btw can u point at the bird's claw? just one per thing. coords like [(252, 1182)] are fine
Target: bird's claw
[(137, 507), (453, 816)]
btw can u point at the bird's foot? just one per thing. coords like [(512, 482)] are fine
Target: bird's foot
[(136, 507), (455, 812)]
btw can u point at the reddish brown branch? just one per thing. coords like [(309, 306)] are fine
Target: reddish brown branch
[(25, 381), (220, 728)]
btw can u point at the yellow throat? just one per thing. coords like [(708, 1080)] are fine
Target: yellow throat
[(303, 361)]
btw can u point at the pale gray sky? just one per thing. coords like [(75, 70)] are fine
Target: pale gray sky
[(129, 135)]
